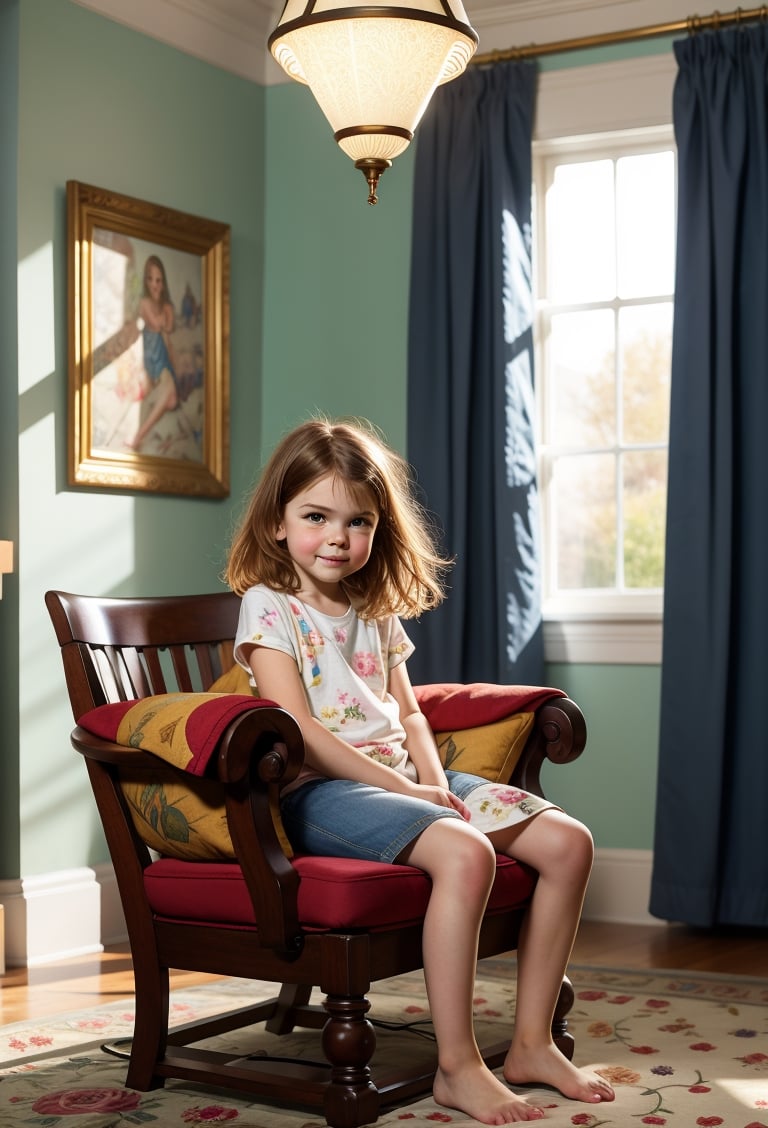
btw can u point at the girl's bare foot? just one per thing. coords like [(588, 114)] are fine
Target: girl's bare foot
[(475, 1091), (546, 1065)]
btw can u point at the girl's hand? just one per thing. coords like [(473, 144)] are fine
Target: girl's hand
[(441, 797)]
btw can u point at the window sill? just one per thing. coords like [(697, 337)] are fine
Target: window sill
[(597, 639)]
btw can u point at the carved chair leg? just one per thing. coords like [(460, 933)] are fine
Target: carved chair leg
[(349, 1040), (562, 1039)]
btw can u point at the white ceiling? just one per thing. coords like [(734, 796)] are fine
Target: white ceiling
[(232, 34)]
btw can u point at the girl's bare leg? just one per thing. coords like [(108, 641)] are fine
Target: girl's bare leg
[(561, 850), (461, 863), (167, 399)]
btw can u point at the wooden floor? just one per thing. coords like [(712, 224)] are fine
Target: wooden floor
[(91, 980)]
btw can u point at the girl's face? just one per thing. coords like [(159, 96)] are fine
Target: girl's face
[(328, 532), (155, 285)]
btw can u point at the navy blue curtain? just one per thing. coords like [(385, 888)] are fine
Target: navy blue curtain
[(470, 376), (711, 842)]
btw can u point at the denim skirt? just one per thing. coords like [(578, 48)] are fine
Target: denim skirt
[(343, 819)]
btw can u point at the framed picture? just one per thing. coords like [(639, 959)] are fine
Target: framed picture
[(148, 346)]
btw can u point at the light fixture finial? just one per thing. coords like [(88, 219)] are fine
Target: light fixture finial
[(372, 168)]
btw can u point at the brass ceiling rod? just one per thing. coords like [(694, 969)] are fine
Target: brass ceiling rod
[(691, 25)]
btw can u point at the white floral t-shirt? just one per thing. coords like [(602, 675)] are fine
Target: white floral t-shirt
[(344, 662)]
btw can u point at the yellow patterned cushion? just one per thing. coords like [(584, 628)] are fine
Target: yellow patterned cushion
[(234, 680), (490, 750), (180, 818)]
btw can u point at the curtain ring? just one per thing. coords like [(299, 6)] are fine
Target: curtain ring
[(694, 24), (716, 20)]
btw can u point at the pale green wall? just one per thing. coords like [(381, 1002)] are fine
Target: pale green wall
[(101, 104), (612, 787), (337, 273)]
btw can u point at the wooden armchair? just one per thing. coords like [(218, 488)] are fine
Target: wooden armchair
[(300, 922)]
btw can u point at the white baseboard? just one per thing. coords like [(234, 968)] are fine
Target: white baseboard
[(113, 929), (620, 887), (58, 915), (75, 912)]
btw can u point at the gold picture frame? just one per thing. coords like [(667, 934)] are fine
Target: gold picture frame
[(148, 346)]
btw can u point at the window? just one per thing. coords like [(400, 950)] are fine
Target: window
[(604, 250)]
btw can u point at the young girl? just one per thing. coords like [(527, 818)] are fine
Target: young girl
[(332, 552)]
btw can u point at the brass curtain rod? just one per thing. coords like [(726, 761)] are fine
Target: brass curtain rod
[(691, 25)]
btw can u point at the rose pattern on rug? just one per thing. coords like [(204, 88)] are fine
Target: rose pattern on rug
[(683, 1050), (80, 1102)]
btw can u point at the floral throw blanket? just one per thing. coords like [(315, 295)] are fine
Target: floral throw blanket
[(183, 729)]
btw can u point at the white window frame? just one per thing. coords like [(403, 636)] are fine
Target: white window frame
[(582, 107)]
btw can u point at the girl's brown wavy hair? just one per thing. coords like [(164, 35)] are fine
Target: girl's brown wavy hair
[(404, 573)]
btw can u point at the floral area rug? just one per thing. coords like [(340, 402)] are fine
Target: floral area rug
[(682, 1049)]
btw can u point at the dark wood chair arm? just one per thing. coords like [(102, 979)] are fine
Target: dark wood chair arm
[(107, 752), (249, 742), (262, 750), (559, 734)]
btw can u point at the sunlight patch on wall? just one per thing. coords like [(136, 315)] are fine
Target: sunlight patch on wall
[(37, 338), (82, 541)]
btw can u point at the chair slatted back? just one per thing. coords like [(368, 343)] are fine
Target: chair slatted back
[(121, 649)]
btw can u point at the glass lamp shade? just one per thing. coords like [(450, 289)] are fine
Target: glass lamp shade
[(373, 69)]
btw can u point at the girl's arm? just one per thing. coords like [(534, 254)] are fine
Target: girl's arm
[(159, 320), (278, 679), (153, 317), (419, 738)]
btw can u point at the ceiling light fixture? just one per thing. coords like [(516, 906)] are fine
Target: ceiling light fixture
[(373, 68)]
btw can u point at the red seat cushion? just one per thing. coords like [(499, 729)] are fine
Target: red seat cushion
[(335, 893)]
